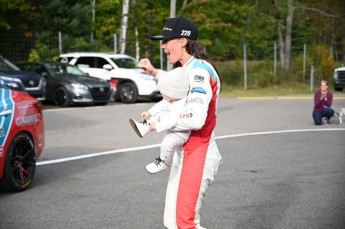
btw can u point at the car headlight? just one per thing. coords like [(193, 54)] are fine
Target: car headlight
[(79, 86), (12, 85), (11, 82)]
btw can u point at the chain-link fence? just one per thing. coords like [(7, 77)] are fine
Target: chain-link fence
[(19, 52)]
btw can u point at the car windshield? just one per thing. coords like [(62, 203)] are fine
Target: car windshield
[(125, 62), (58, 69), (7, 65)]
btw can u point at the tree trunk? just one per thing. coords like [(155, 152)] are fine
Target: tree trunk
[(124, 20), (284, 46), (288, 32), (137, 46), (184, 4), (136, 32), (281, 47), (148, 22)]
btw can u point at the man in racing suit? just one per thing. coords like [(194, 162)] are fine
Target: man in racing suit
[(196, 163)]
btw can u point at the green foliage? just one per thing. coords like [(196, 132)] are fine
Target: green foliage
[(42, 53), (9, 10), (230, 72), (322, 59), (64, 16), (221, 28), (283, 89), (108, 19), (71, 19), (34, 55), (259, 73), (76, 45), (224, 26), (296, 71)]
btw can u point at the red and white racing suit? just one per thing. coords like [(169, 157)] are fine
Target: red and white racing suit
[(196, 163)]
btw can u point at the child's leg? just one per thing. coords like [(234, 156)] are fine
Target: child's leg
[(141, 128), (169, 144)]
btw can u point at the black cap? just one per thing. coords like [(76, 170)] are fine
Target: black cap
[(176, 28)]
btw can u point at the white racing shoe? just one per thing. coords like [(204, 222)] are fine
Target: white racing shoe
[(141, 128), (157, 166)]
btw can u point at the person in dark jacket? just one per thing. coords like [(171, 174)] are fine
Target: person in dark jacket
[(323, 104)]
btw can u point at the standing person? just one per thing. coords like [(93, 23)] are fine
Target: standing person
[(196, 163), (323, 104), (163, 116)]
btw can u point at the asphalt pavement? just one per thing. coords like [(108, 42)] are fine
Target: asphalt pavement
[(279, 170)]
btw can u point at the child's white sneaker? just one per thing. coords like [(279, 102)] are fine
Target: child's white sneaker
[(141, 128), (157, 166)]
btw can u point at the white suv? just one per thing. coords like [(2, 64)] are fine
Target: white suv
[(129, 83), (339, 78)]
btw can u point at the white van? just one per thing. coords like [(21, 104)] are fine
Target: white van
[(129, 83), (339, 78)]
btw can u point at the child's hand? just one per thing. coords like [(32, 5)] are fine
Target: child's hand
[(152, 126), (145, 115)]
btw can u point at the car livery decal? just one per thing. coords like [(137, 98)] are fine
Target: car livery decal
[(30, 119), (6, 110)]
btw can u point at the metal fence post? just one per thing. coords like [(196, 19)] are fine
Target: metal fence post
[(245, 66), (275, 58), (304, 60), (60, 43), (312, 78), (161, 55), (115, 43)]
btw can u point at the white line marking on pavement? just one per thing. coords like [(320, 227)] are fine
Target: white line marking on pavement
[(157, 145), (97, 154), (278, 132)]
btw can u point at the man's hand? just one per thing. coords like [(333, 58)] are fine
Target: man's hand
[(148, 68)]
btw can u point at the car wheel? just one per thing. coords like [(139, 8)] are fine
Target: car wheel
[(61, 97), (128, 93), (20, 163)]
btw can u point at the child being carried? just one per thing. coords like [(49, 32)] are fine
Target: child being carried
[(163, 116)]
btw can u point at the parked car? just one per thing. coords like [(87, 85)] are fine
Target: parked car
[(339, 78), (29, 82), (13, 83), (66, 84), (129, 83), (21, 138)]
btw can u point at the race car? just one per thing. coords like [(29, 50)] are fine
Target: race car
[(21, 138)]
